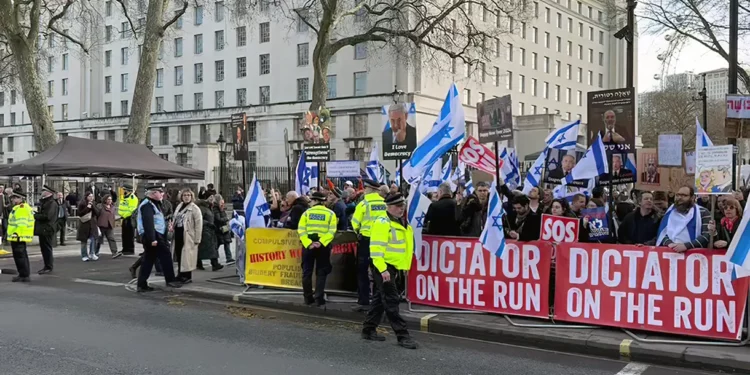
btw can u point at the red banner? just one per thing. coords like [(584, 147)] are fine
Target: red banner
[(478, 156), (559, 229), (457, 273), (650, 288)]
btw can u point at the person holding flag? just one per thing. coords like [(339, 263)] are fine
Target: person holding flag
[(367, 211), (316, 230), (493, 234), (392, 248)]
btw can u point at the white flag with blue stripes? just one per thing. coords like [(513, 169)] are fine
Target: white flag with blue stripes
[(701, 138), (302, 174), (493, 236), (373, 166), (459, 175), (237, 225), (509, 170), (534, 175), (738, 252), (431, 179), (446, 132), (564, 138), (469, 187), (447, 173), (416, 211), (593, 164), (256, 207)]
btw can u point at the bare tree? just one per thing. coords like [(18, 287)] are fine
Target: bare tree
[(422, 30), (158, 21), (21, 24), (673, 110), (704, 22)]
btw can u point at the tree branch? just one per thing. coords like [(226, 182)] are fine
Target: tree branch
[(175, 17), (305, 21), (34, 20), (57, 17), (127, 16)]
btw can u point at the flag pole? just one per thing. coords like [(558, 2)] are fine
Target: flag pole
[(401, 184), (610, 184), (497, 165)]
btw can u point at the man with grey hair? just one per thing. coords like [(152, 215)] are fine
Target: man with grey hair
[(400, 136), (723, 180), (441, 216)]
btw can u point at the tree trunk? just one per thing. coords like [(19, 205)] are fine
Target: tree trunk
[(33, 94), (140, 111), (320, 59)]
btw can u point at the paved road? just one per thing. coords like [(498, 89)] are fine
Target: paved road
[(56, 325)]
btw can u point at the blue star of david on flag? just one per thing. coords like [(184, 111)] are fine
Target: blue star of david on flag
[(420, 220)]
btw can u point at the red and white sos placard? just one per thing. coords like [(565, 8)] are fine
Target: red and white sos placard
[(478, 156), (559, 229)]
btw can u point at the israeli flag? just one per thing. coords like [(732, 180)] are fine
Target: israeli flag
[(739, 249), (701, 138), (397, 178), (417, 206), (432, 178), (493, 237), (373, 166), (459, 175), (446, 132), (314, 175), (469, 187), (693, 226), (510, 170), (564, 138), (256, 207), (629, 165), (303, 173), (534, 175), (593, 164), (447, 173), (237, 225)]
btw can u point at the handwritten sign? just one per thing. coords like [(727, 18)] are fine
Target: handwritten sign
[(670, 150)]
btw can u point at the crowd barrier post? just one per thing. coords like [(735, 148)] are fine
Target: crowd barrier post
[(221, 280)]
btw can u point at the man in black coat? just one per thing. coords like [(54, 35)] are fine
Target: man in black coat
[(63, 210), (441, 218), (45, 226), (641, 226), (298, 206), (526, 224)]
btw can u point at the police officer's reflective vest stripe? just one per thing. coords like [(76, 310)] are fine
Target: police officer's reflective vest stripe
[(127, 206), (160, 225), (317, 220), (370, 208), (391, 243), (21, 223)]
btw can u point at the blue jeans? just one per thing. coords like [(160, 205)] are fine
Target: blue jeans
[(89, 247)]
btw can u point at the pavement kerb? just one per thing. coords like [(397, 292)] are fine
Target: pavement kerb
[(600, 343)]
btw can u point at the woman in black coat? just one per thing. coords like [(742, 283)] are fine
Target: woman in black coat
[(88, 231), (223, 234), (208, 248)]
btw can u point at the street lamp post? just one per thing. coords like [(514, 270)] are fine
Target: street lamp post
[(703, 97), (222, 148)]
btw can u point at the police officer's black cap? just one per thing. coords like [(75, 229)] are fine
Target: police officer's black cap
[(155, 187), (371, 183), (128, 187), (18, 194), (49, 189), (395, 199), (318, 196)]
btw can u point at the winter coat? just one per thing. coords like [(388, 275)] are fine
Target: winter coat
[(88, 229), (106, 217), (209, 246), (441, 218), (237, 202), (473, 215), (46, 217), (222, 221), (299, 207), (193, 225)]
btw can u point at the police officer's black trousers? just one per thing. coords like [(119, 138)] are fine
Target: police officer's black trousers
[(319, 258), (150, 255), (128, 236), (363, 264), (21, 258), (45, 243), (385, 299)]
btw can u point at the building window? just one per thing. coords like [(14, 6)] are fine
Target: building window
[(533, 60), (265, 32), (601, 37), (579, 98), (177, 47), (303, 54), (521, 83), (467, 97), (93, 135), (108, 33), (590, 78), (12, 97), (110, 135), (301, 17), (178, 23), (241, 36), (265, 64), (241, 67), (178, 75), (108, 8), (178, 102), (579, 75), (198, 72), (509, 80), (51, 111), (523, 56), (124, 82), (160, 77), (265, 94), (496, 77), (557, 93), (205, 134), (569, 72), (360, 51), (591, 56), (124, 110), (159, 104), (184, 133), (65, 62), (601, 80), (601, 58), (107, 58), (252, 131), (360, 83), (241, 97), (198, 100), (12, 122), (331, 84), (198, 15), (303, 89), (219, 11), (219, 98), (219, 68), (558, 44), (107, 84), (198, 43), (65, 86), (108, 109), (124, 56), (50, 64), (567, 95), (521, 108), (125, 31), (591, 33), (533, 86), (219, 40), (509, 52), (163, 136), (546, 64), (545, 90), (580, 52), (546, 40)]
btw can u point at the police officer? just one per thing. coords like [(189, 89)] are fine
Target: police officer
[(45, 227), (20, 233), (152, 227), (127, 206), (391, 250), (316, 230), (369, 209)]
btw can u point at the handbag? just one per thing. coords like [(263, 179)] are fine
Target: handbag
[(86, 218)]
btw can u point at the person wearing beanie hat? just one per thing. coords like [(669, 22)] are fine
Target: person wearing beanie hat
[(391, 250), (338, 206), (316, 230), (367, 211)]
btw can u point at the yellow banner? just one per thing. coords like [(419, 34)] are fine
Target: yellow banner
[(273, 258)]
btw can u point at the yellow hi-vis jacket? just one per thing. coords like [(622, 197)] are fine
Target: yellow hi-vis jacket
[(391, 243), (369, 209), (127, 206), (21, 223), (317, 220)]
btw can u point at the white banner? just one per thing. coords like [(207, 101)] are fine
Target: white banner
[(342, 168), (738, 106)]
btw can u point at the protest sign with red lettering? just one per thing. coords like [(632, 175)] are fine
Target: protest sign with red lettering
[(457, 273), (559, 228), (478, 156), (651, 289)]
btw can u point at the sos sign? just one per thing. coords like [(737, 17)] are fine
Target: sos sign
[(478, 155), (559, 229)]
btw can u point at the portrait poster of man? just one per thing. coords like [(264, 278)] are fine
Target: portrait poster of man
[(559, 163), (495, 117), (315, 127), (239, 136), (650, 176), (399, 130), (622, 171), (611, 114), (713, 170)]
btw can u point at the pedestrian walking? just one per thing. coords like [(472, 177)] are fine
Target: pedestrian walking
[(391, 250), (188, 229), (316, 230), (63, 210), (88, 230), (126, 207), (106, 222), (152, 227), (369, 209), (208, 248), (44, 227), (20, 233), (223, 234)]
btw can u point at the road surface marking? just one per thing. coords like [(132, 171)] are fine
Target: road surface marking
[(625, 348), (424, 322), (98, 282), (633, 368)]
